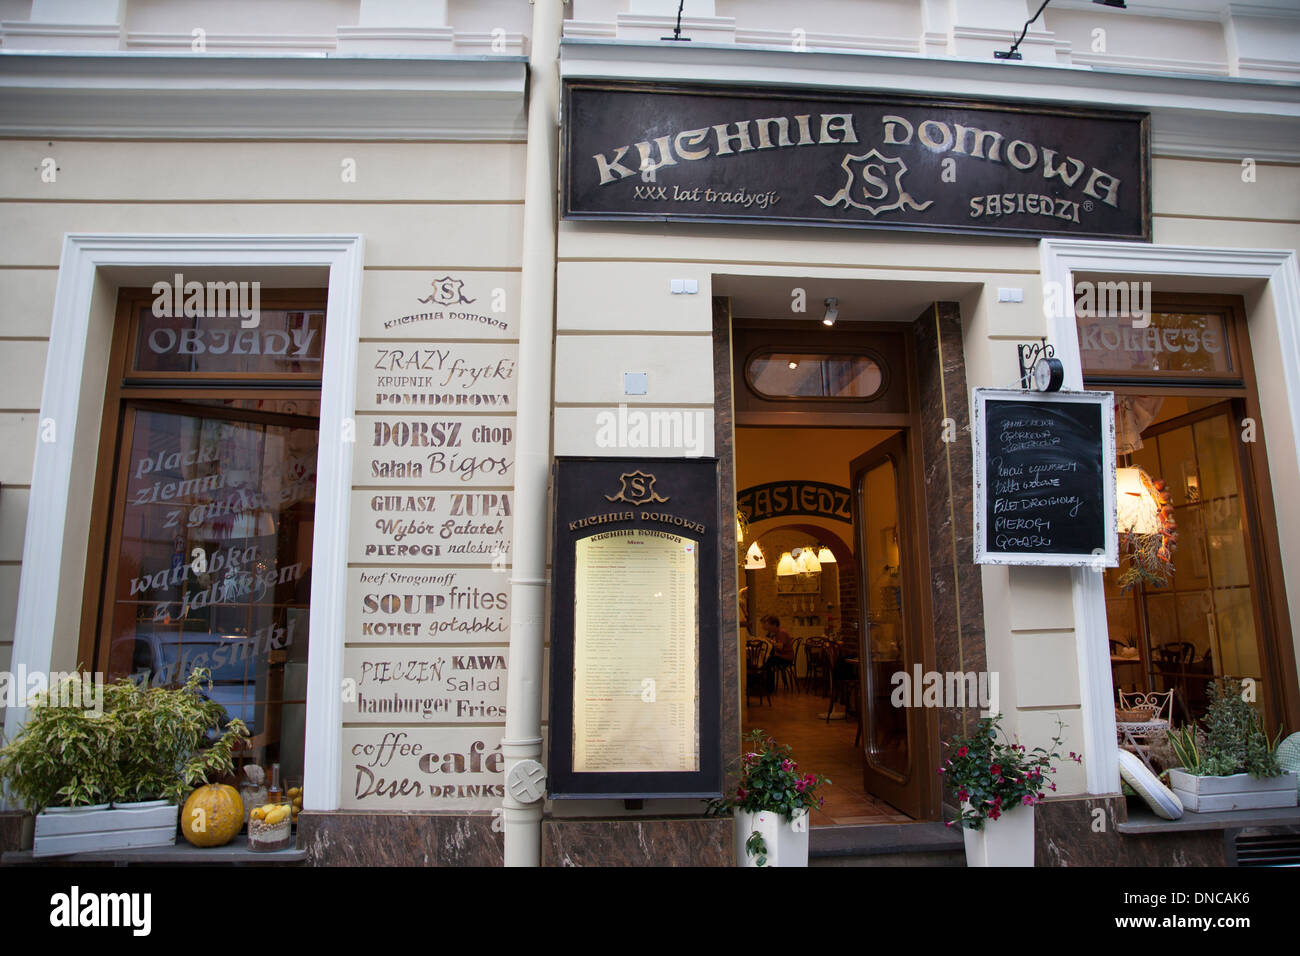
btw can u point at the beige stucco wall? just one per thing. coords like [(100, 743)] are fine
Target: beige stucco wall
[(613, 287), (423, 206), (420, 207)]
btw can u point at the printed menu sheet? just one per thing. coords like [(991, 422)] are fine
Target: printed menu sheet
[(636, 653)]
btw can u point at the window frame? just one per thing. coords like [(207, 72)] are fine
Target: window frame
[(1263, 551), (124, 393), (766, 351)]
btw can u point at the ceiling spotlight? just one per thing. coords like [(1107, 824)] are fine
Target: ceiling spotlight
[(832, 311), (793, 365)]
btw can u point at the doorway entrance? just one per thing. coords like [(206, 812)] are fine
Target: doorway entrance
[(840, 526)]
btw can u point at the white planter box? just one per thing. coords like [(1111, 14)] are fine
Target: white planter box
[(787, 843), (76, 831), (1241, 791), (1006, 841)]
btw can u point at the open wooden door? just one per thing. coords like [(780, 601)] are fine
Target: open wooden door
[(895, 749)]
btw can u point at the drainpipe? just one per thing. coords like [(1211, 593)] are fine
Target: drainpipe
[(522, 744)]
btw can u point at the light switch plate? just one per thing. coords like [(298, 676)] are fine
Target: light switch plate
[(634, 383), (678, 286), (1011, 295)]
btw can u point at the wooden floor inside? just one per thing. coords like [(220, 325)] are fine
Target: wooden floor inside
[(799, 719)]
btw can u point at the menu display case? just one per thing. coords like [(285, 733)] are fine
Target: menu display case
[(635, 692)]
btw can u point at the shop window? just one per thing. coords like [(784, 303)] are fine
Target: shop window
[(1194, 345), (207, 488), (1183, 388)]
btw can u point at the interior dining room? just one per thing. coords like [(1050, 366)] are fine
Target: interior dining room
[(802, 610)]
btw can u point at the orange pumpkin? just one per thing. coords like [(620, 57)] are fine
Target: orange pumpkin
[(212, 815)]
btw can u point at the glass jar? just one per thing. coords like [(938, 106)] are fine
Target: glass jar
[(252, 795), (270, 826)]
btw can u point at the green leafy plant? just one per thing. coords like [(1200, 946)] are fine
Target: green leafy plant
[(769, 780), (1232, 740), (65, 755), (1188, 743), (992, 775), (165, 730), (145, 743)]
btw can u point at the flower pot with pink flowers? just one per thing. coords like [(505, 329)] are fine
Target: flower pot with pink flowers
[(998, 782), (772, 801)]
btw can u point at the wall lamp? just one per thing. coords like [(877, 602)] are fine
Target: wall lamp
[(1013, 53)]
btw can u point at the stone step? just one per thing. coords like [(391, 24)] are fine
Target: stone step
[(887, 844)]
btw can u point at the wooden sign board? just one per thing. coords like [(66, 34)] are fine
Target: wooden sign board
[(1045, 478), (635, 660), (858, 160)]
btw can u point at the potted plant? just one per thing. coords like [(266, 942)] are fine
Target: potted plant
[(66, 756), (165, 729), (771, 803), (998, 783), (1230, 763), (142, 744)]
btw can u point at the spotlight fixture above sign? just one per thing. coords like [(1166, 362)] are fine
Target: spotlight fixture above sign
[(832, 311)]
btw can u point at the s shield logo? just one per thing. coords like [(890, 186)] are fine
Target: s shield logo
[(636, 488), (873, 183), (447, 291)]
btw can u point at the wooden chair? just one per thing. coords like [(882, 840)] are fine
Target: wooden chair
[(816, 664), (757, 677), (1175, 652), (843, 681), (1142, 718), (784, 671)]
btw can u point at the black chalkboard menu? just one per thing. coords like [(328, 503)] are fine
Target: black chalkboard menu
[(1044, 478)]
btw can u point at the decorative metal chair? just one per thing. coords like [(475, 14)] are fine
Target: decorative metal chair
[(1141, 719)]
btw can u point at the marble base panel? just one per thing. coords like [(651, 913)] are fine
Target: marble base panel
[(955, 587), (725, 449), (16, 828), (702, 841), (1071, 832), (346, 838)]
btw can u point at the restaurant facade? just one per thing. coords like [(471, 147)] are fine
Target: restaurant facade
[(396, 364)]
